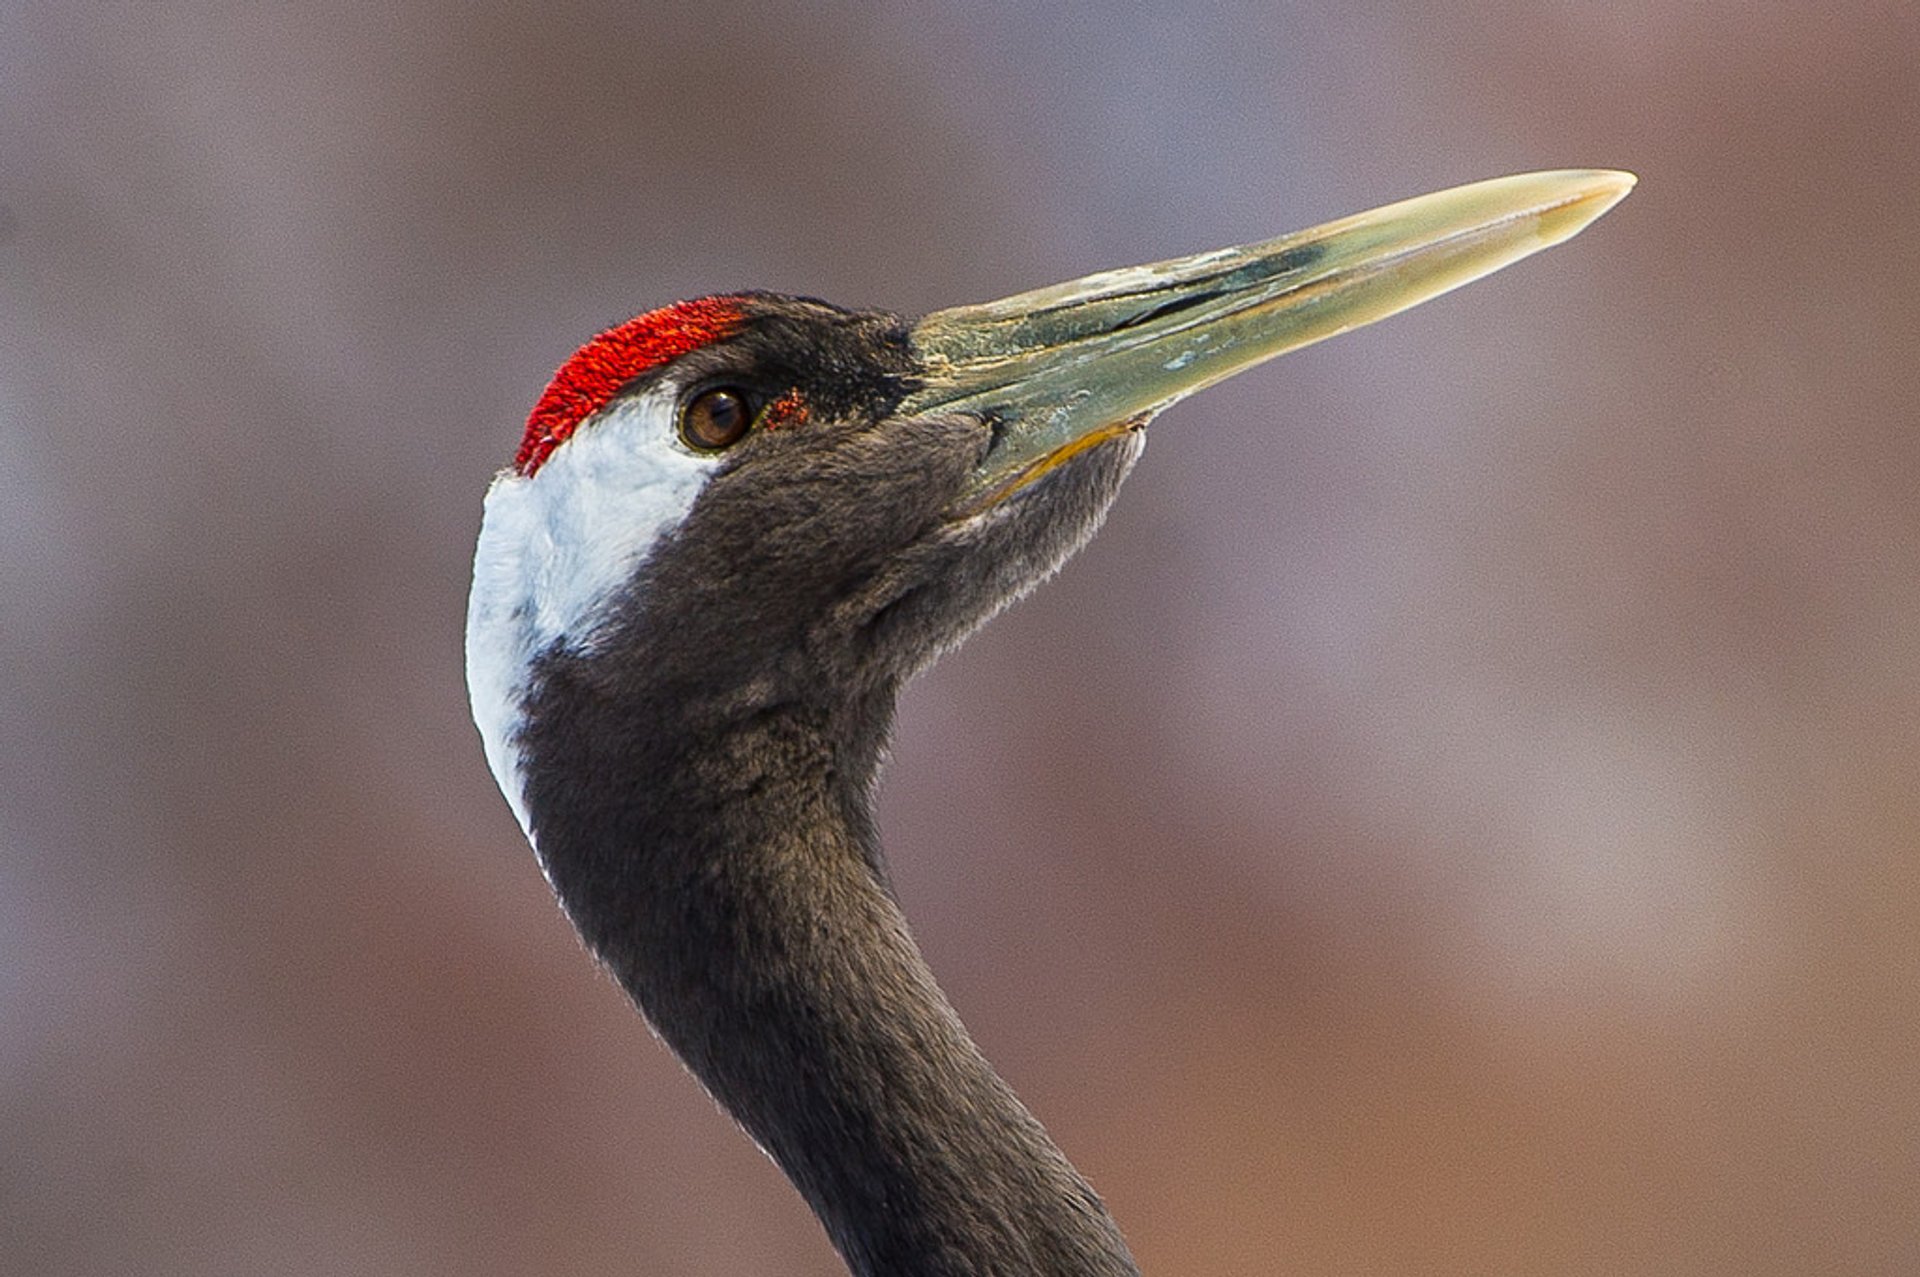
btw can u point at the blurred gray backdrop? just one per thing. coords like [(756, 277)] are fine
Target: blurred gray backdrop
[(1460, 817)]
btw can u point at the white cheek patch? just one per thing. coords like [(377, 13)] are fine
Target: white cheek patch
[(557, 546)]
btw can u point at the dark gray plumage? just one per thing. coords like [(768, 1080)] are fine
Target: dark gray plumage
[(701, 790)]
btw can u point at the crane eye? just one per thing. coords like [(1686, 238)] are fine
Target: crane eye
[(715, 419)]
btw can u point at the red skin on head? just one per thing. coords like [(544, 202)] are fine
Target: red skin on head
[(589, 380), (788, 410)]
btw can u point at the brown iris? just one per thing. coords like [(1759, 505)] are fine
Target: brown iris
[(715, 419)]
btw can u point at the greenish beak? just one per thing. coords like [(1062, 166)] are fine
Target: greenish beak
[(1060, 369)]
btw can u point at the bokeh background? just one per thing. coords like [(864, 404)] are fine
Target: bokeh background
[(1459, 817)]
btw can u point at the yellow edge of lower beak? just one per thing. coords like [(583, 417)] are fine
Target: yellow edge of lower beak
[(1066, 452)]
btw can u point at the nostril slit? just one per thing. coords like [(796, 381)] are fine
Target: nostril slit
[(996, 434)]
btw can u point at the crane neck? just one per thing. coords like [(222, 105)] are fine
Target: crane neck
[(738, 893)]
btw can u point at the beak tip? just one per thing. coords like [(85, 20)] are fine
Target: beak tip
[(1587, 194), (1613, 185)]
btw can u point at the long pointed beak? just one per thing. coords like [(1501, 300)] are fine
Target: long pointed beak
[(1060, 369)]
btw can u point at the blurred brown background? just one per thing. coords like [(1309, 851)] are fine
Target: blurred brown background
[(1460, 817)]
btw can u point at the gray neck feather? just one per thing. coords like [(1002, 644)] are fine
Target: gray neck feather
[(729, 874)]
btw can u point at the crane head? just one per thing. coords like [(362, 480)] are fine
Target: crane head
[(751, 500)]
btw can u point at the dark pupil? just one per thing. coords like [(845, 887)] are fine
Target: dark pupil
[(716, 419)]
